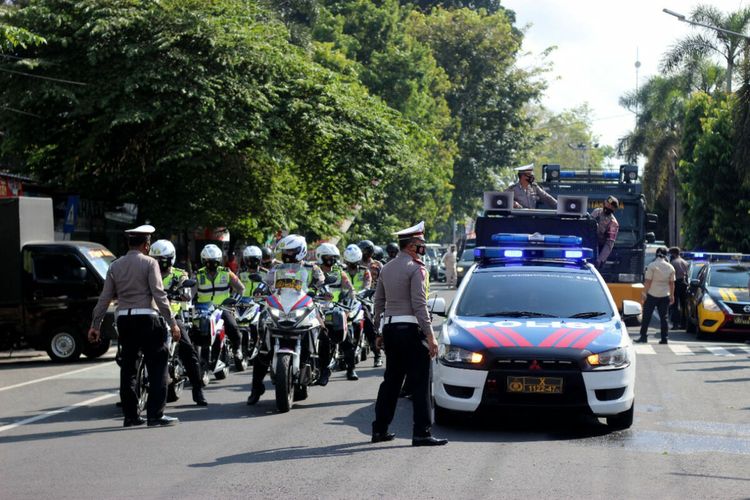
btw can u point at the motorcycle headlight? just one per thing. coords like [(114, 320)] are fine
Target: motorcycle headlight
[(710, 304), (276, 313), (614, 359), (296, 314), (455, 354)]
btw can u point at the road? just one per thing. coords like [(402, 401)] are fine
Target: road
[(61, 436)]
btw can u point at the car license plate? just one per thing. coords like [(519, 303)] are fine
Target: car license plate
[(742, 320), (535, 385)]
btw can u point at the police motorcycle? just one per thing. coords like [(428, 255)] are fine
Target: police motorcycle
[(344, 322), (248, 311), (210, 340), (182, 309), (291, 325)]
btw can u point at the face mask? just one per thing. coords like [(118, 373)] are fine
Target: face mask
[(164, 265), (608, 211), (212, 265), (328, 261), (530, 179), (288, 259)]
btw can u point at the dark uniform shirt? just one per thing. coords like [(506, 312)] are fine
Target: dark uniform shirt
[(529, 197)]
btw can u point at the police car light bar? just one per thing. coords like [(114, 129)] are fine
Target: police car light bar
[(716, 256), (515, 239), (515, 254), (603, 174)]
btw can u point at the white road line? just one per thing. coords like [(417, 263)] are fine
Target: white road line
[(22, 384), (56, 412), (718, 351), (644, 349), (681, 350), (744, 349)]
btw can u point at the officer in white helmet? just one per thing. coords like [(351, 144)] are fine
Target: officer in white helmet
[(164, 252), (360, 275), (251, 264), (215, 285), (293, 268)]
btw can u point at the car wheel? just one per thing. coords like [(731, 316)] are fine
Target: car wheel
[(622, 420), (64, 344)]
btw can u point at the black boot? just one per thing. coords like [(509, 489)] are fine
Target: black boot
[(255, 395), (642, 339), (325, 374), (349, 359), (198, 396)]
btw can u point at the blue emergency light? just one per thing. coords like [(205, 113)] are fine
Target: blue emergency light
[(716, 256), (602, 174), (515, 239), (531, 253)]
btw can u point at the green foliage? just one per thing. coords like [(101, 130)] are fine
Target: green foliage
[(200, 112), (14, 36)]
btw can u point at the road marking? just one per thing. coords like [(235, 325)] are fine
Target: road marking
[(718, 351), (644, 349), (56, 412), (22, 384), (744, 349), (681, 350)]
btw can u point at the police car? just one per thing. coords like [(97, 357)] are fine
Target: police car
[(718, 299), (534, 326)]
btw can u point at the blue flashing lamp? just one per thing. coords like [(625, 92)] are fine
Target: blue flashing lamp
[(603, 174), (532, 253), (512, 239)]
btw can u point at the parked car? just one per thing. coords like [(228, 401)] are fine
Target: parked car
[(464, 263)]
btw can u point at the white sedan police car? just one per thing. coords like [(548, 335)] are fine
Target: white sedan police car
[(533, 325)]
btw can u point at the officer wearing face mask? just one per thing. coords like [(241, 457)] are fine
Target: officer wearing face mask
[(215, 284), (607, 228), (527, 194)]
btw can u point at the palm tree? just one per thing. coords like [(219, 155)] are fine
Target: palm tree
[(711, 42)]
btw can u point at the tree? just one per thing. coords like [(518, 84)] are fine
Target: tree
[(201, 112), (711, 42)]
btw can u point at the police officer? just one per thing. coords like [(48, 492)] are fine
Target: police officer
[(214, 285), (293, 250), (251, 262), (607, 228), (658, 292), (135, 281), (526, 194), (392, 250), (374, 266), (361, 279), (678, 312), (401, 294), (164, 253)]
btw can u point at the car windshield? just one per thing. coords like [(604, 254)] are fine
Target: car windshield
[(534, 293), (99, 257), (467, 255), (729, 276)]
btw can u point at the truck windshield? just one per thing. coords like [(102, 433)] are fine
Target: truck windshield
[(99, 257)]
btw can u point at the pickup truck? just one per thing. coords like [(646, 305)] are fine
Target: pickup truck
[(51, 287)]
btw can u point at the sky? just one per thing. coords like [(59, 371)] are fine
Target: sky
[(598, 43)]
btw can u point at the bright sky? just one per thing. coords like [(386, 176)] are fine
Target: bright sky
[(597, 44)]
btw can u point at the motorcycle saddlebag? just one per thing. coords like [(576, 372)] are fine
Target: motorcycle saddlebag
[(336, 326)]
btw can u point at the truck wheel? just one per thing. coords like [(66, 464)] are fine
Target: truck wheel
[(64, 344), (93, 351)]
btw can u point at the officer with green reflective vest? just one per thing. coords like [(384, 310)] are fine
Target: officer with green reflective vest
[(361, 279), (251, 257), (342, 291), (164, 253), (292, 269), (215, 285)]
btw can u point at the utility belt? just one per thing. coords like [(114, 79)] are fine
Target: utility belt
[(387, 320), (135, 311)]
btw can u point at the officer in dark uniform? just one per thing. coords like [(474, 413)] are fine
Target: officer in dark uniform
[(408, 339), (142, 309)]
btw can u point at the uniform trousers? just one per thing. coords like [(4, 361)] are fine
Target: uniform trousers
[(231, 329), (678, 308), (406, 356), (189, 357), (662, 305), (146, 334)]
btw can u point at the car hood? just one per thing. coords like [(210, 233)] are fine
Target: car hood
[(477, 334), (729, 294)]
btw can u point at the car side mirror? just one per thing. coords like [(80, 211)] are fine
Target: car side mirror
[(80, 273), (436, 305), (695, 283), (631, 309)]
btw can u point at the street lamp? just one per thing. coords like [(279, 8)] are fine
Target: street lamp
[(684, 19)]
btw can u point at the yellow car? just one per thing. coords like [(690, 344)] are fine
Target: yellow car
[(719, 299)]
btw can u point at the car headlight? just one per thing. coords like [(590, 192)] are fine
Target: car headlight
[(613, 359), (454, 354), (710, 304), (460, 269)]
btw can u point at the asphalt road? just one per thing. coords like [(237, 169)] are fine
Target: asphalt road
[(61, 436)]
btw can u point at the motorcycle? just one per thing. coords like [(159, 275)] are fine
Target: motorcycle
[(292, 325), (345, 323), (248, 311), (210, 340), (182, 309)]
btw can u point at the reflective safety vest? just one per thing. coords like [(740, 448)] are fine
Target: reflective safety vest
[(335, 287), (170, 279), (358, 279), (216, 291), (251, 285)]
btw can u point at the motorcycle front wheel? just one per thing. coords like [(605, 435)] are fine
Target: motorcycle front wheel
[(224, 358), (141, 385), (284, 383)]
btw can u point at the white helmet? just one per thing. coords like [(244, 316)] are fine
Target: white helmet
[(163, 249), (352, 254), (327, 249), (294, 246), (252, 252), (211, 252)]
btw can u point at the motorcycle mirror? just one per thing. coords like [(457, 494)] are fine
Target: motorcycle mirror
[(189, 283), (229, 302)]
